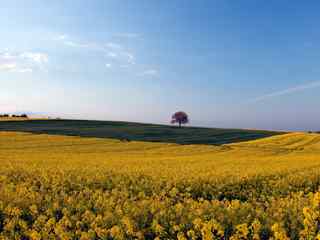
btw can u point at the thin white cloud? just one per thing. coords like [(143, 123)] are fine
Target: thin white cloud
[(112, 54), (128, 35), (66, 40), (130, 57), (112, 45), (39, 58), (115, 55), (24, 62), (8, 66), (6, 55), (109, 49), (25, 70), (77, 45), (61, 37), (287, 91), (125, 66), (150, 72)]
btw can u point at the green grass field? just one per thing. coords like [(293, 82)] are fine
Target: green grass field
[(96, 186), (135, 131)]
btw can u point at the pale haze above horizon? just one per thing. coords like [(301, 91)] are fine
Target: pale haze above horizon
[(232, 64)]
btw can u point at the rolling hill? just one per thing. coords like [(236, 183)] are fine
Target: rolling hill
[(136, 131), (56, 186)]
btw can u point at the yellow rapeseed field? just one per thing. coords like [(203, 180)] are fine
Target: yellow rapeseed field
[(64, 187), (5, 119)]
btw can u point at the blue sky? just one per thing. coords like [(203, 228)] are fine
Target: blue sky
[(248, 64)]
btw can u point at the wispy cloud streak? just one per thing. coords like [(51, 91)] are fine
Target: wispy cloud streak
[(128, 35), (109, 49), (23, 62), (116, 55), (149, 72), (287, 91)]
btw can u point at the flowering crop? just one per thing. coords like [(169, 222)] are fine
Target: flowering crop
[(58, 187)]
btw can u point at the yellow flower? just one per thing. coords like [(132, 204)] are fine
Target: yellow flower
[(279, 233), (34, 235)]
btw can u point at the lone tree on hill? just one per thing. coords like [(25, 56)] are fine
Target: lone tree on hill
[(180, 118)]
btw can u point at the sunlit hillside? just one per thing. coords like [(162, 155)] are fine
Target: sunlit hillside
[(68, 187), (267, 156), (4, 119)]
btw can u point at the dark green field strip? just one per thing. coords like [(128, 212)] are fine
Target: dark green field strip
[(136, 131)]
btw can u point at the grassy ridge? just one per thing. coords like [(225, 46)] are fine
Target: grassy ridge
[(135, 131)]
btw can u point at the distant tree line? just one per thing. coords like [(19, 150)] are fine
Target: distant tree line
[(14, 116)]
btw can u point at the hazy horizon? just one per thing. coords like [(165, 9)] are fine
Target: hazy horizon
[(225, 63)]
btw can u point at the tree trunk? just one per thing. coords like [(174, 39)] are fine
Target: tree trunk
[(179, 124)]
